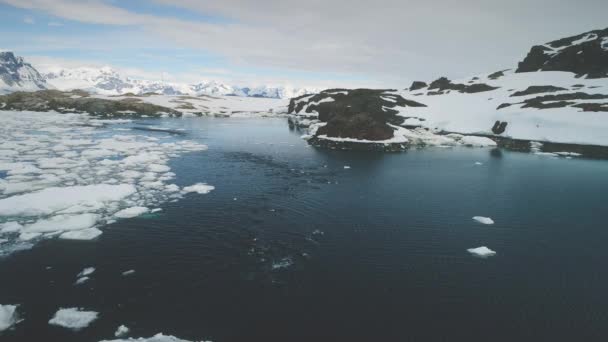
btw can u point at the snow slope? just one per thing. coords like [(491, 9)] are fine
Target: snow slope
[(476, 113)]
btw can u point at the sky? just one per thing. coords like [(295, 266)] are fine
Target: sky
[(305, 43)]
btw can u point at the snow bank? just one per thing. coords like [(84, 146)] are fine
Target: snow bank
[(199, 188), (484, 220), (474, 141), (73, 318), (8, 316), (482, 252)]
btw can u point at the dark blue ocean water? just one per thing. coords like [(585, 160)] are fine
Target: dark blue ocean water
[(291, 246)]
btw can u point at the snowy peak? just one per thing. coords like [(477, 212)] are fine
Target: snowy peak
[(16, 74), (583, 54), (108, 81)]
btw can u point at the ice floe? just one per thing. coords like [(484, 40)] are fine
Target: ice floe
[(86, 272), (8, 316), (73, 318), (156, 338), (132, 212), (129, 272), (199, 188), (483, 220), (121, 331), (68, 175), (81, 280), (482, 252)]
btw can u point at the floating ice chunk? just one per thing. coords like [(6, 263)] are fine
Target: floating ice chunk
[(131, 212), (478, 163), (475, 141), (346, 167), (63, 223), (129, 272), (8, 316), (86, 272), (484, 220), (10, 227), (482, 252), (159, 168), (84, 234), (200, 188), (3, 241), (28, 236), (81, 280), (156, 338), (73, 318), (121, 331), (50, 200), (283, 263), (155, 210)]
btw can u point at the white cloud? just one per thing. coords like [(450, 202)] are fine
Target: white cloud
[(392, 41), (29, 20), (55, 23)]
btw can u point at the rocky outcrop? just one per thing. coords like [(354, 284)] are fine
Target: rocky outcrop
[(364, 114), (537, 90), (442, 84), (583, 54), (564, 100), (499, 127), (418, 85), (81, 102)]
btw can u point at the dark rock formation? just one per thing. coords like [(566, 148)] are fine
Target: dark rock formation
[(80, 102), (497, 75), (363, 114), (15, 72), (537, 90), (499, 127), (564, 100), (583, 54), (443, 83), (418, 85)]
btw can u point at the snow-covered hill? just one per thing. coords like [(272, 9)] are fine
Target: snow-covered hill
[(107, 81), (534, 103), (16, 74)]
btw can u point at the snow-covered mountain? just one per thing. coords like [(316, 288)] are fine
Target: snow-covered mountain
[(16, 74), (108, 81)]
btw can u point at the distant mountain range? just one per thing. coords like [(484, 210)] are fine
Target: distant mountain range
[(15, 75)]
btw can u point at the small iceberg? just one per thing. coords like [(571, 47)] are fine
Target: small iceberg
[(482, 252), (8, 316), (129, 272), (483, 220), (121, 331), (73, 318)]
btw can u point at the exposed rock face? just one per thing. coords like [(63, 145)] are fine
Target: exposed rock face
[(499, 127), (537, 90), (16, 73), (497, 75), (583, 54), (418, 85), (79, 101), (564, 100), (441, 84), (363, 114)]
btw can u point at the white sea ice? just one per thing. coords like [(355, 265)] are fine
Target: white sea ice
[(483, 220), (199, 188), (68, 174), (8, 316), (129, 272), (482, 252), (156, 338), (81, 280), (73, 318), (121, 331), (86, 272), (131, 212)]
